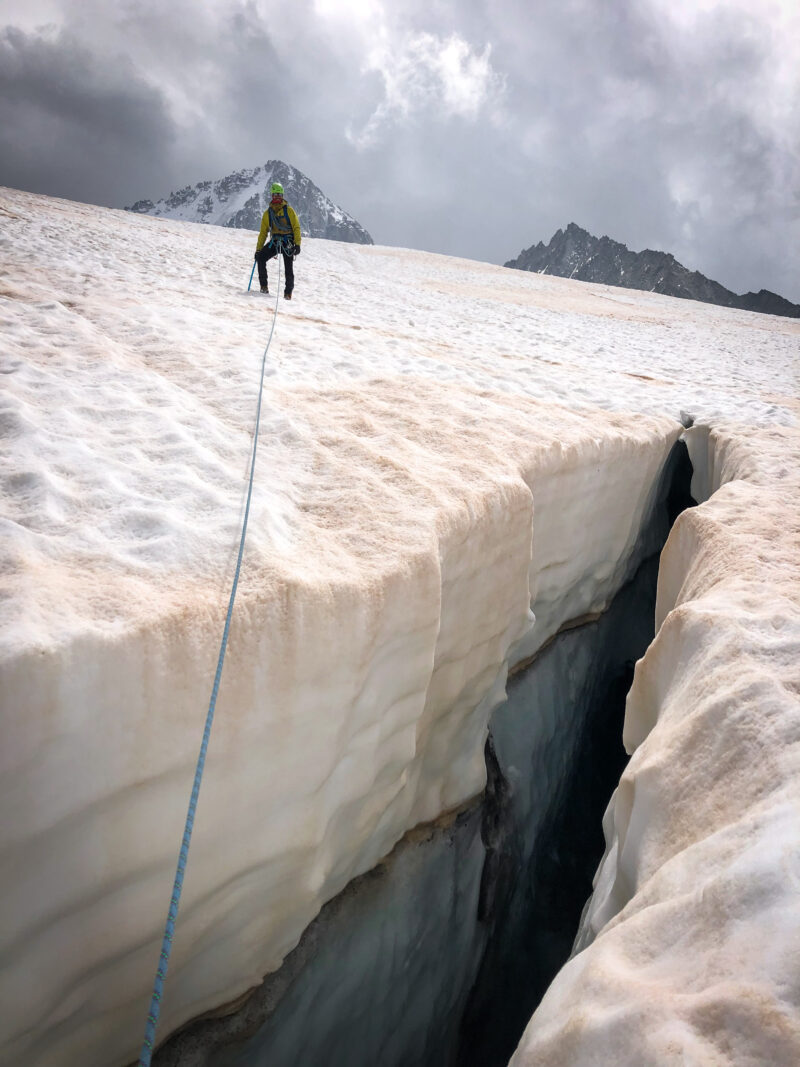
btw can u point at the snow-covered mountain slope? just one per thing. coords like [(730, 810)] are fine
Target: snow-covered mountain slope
[(430, 473), (240, 199)]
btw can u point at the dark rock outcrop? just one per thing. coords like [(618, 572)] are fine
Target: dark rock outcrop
[(574, 253)]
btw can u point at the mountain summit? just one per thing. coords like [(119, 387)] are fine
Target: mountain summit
[(575, 253), (240, 199)]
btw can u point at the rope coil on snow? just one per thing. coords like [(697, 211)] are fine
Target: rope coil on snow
[(169, 929)]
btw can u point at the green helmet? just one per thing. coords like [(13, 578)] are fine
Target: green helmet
[(277, 189)]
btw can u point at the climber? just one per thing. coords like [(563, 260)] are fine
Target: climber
[(280, 221)]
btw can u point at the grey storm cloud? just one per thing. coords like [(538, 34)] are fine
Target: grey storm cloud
[(472, 128), (72, 123)]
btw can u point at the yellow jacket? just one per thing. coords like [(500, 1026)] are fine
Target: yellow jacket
[(283, 223)]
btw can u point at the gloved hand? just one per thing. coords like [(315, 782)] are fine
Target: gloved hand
[(296, 250), (255, 257)]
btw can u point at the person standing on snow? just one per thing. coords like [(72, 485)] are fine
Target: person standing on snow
[(280, 221)]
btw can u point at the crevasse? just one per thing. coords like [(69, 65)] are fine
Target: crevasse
[(687, 950)]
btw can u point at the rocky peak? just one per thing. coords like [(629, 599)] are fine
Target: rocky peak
[(575, 253), (239, 200)]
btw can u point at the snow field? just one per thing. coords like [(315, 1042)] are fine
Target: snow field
[(418, 491)]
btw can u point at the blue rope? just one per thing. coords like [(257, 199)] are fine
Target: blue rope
[(169, 929)]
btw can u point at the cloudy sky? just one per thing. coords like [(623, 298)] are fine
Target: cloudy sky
[(470, 127)]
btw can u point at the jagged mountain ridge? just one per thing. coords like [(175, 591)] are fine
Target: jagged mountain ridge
[(575, 253), (240, 199)]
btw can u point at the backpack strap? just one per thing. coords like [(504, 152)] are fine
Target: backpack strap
[(273, 218)]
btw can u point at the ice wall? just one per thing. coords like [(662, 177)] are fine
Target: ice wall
[(557, 754), (689, 946), (387, 973), (362, 670)]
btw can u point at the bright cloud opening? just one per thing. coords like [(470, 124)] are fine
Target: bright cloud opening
[(428, 73)]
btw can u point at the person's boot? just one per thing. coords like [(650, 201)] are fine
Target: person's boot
[(265, 289), (287, 294)]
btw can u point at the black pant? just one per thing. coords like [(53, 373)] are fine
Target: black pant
[(269, 251)]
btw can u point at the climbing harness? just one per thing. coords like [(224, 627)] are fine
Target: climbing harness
[(283, 242), (169, 930)]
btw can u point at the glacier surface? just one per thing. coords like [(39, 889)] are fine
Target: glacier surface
[(456, 462)]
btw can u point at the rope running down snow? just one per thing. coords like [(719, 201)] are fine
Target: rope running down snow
[(169, 929)]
